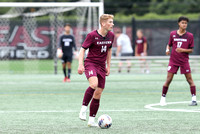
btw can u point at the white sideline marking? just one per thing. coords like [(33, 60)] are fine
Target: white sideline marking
[(72, 111), (151, 106)]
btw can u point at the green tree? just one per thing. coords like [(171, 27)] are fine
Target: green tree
[(139, 7), (174, 6)]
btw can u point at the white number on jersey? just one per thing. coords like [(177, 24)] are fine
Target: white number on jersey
[(91, 72), (169, 67), (67, 43), (179, 44), (103, 48)]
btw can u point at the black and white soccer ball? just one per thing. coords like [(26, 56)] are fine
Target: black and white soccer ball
[(104, 121)]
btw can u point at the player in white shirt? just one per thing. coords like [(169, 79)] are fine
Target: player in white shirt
[(124, 48)]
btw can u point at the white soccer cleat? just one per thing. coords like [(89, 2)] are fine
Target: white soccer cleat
[(92, 124), (82, 114), (163, 101)]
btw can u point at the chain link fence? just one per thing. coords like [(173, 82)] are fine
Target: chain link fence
[(157, 33)]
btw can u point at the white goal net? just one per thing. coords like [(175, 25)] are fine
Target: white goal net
[(29, 32)]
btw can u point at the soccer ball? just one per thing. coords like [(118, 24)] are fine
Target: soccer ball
[(104, 121), (59, 53)]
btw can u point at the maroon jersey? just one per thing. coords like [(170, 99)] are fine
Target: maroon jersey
[(140, 44), (98, 47), (185, 41)]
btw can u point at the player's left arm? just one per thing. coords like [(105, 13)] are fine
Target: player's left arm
[(189, 49), (59, 46), (183, 50), (59, 43), (145, 49), (108, 61)]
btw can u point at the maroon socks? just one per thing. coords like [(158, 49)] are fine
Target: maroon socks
[(88, 96), (94, 106), (164, 91), (193, 90)]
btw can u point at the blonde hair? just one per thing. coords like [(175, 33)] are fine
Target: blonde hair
[(105, 17)]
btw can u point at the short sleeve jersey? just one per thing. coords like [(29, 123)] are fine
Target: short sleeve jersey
[(67, 43), (140, 44), (185, 41), (124, 41), (98, 47)]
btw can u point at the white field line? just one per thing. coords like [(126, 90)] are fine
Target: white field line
[(73, 111), (148, 107), (152, 107)]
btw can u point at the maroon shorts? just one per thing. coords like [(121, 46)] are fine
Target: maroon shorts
[(92, 69), (185, 68)]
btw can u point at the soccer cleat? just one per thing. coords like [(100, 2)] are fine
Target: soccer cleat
[(163, 101), (92, 124), (68, 80), (65, 79), (82, 115), (193, 103)]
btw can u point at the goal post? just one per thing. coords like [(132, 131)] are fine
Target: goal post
[(26, 34)]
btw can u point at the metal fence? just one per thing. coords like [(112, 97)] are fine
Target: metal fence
[(157, 33), (149, 64), (13, 58)]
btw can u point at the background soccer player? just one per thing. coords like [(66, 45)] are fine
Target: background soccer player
[(123, 48), (182, 44), (99, 43), (67, 43), (141, 49)]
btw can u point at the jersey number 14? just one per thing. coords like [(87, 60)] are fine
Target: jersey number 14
[(103, 48)]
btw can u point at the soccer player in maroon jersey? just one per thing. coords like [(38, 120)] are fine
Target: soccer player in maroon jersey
[(99, 43), (140, 44), (182, 44), (141, 49)]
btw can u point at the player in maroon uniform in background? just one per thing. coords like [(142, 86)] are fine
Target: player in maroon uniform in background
[(141, 50), (182, 44), (99, 43), (140, 44)]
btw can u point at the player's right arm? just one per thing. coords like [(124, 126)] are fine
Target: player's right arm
[(136, 51), (59, 47), (169, 45), (81, 68), (59, 43), (168, 50), (86, 44), (119, 46), (118, 50)]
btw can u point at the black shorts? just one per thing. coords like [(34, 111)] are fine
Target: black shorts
[(66, 58), (126, 55)]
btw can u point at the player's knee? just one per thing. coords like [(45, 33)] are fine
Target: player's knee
[(63, 65), (94, 85)]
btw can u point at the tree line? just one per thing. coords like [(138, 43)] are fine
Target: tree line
[(162, 7), (136, 7)]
